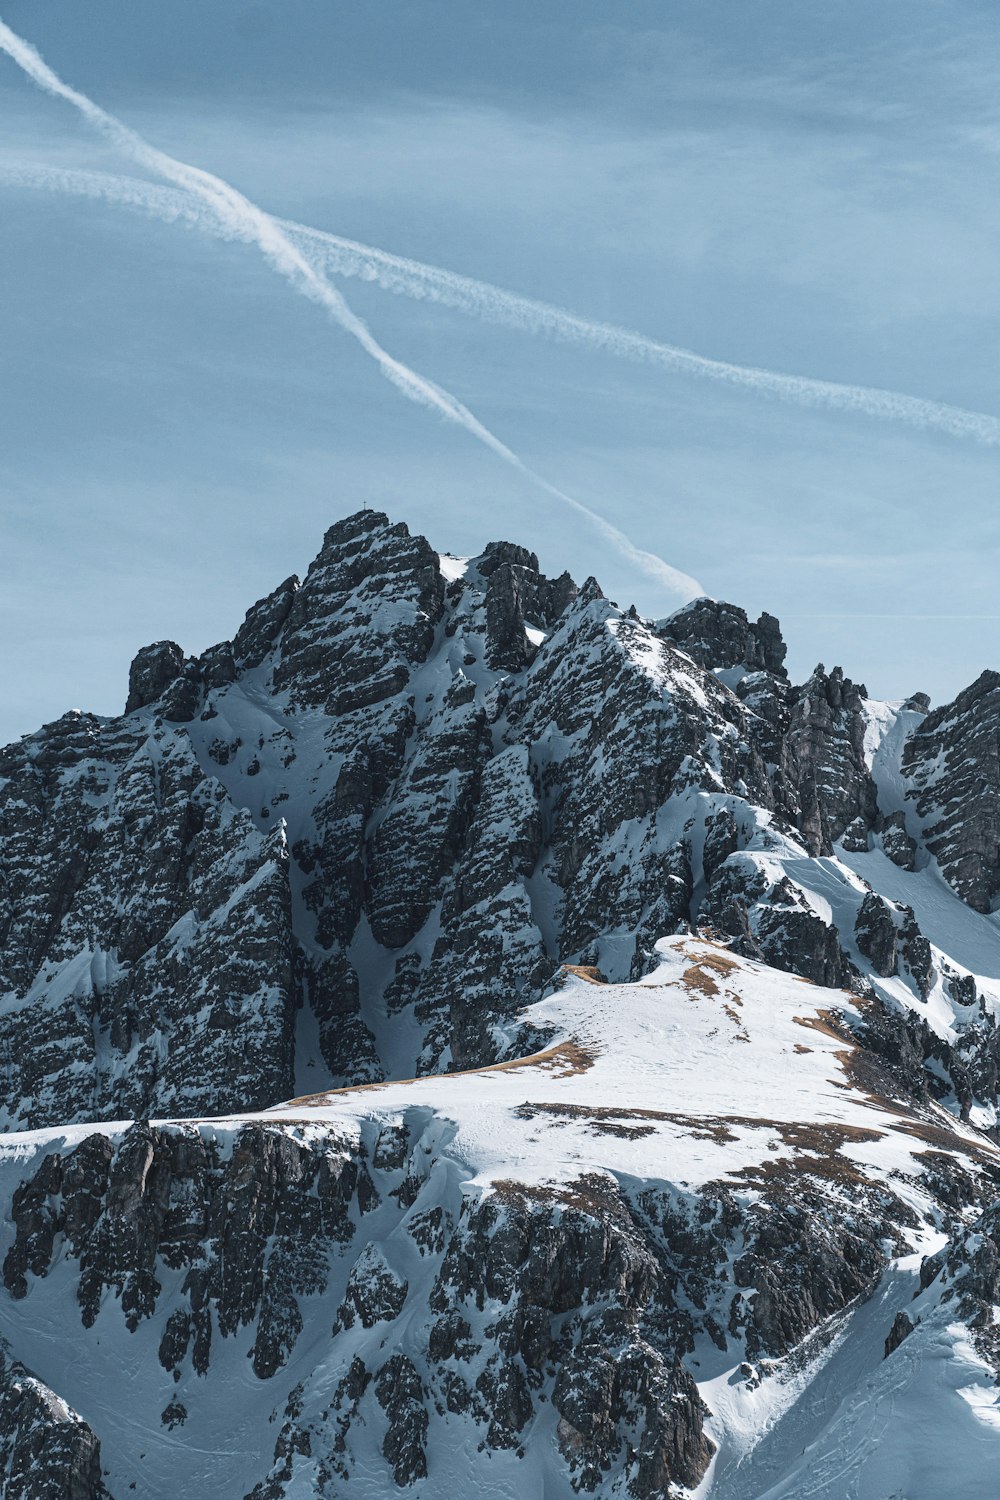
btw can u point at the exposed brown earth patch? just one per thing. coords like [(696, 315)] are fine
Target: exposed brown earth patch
[(564, 1059), (817, 1139), (707, 967), (593, 1194), (589, 972), (561, 1060), (600, 1117)]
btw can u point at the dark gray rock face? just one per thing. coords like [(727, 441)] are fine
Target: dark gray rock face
[(802, 1272), (152, 672), (628, 741), (418, 841), (790, 935), (587, 1302), (826, 784), (811, 737), (576, 1284), (854, 838), (775, 924), (363, 617), (715, 635), (401, 1396), (47, 1451), (252, 1229), (968, 1272), (518, 597), (902, 1327), (876, 934), (897, 843), (263, 624), (748, 658), (374, 1294), (889, 937), (147, 955), (953, 763), (177, 929)]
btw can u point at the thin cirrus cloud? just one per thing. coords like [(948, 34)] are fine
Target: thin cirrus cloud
[(332, 254), (238, 218)]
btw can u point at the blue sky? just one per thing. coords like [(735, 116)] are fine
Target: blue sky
[(806, 189)]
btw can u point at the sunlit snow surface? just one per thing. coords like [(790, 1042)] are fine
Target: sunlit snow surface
[(715, 1053), (719, 1061)]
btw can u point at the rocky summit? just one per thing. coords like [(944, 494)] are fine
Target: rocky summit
[(461, 1037)]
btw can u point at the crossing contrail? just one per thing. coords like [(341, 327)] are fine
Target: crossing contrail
[(239, 218), (336, 255)]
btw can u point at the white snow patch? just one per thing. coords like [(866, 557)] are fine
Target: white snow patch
[(452, 567)]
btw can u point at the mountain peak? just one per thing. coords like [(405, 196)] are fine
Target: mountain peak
[(465, 964)]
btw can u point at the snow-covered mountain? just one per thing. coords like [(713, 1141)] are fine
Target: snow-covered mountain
[(462, 1036)]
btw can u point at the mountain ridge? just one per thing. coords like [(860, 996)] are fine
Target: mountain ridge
[(390, 831)]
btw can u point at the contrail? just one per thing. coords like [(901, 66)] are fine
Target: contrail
[(494, 304), (241, 219)]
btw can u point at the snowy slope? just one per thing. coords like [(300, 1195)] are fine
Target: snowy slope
[(706, 1039), (713, 1077)]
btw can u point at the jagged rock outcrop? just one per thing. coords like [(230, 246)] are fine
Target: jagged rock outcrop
[(876, 934), (147, 954), (263, 624), (401, 1396), (953, 763), (719, 635), (363, 617), (825, 782), (897, 844), (47, 1451), (250, 1226), (812, 736), (175, 809), (151, 673), (902, 1327)]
